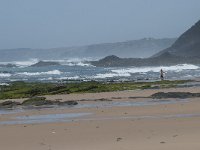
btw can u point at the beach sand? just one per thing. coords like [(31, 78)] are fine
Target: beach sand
[(174, 126)]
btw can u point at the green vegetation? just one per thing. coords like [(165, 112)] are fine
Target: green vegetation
[(26, 89), (33, 100)]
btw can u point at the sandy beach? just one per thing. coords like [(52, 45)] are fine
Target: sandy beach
[(125, 123)]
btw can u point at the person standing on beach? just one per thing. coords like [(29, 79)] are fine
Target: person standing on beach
[(161, 75)]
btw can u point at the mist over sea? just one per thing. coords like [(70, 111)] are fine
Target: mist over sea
[(78, 70)]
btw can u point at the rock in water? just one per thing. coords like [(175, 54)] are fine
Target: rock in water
[(45, 63)]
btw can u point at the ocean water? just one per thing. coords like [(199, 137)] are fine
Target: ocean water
[(78, 70)]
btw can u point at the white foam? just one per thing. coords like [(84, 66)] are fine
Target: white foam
[(25, 63), (176, 68), (5, 75), (45, 79), (67, 62), (73, 62), (110, 75), (53, 72), (69, 78), (4, 84)]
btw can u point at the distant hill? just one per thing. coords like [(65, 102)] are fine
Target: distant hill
[(134, 48), (187, 45), (163, 59), (45, 64), (186, 49)]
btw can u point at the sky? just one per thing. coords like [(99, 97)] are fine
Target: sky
[(61, 23)]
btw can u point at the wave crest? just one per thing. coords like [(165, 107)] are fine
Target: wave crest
[(176, 68), (53, 72)]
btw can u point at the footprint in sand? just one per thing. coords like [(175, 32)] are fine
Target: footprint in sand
[(162, 142), (42, 144), (119, 139)]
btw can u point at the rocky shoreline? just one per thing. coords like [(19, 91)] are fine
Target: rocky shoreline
[(35, 102)]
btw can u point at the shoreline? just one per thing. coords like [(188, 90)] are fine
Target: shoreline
[(169, 124), (20, 89)]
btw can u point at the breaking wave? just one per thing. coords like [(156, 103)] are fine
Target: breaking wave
[(143, 70), (5, 75), (68, 62), (25, 63), (57, 73), (110, 75), (53, 72), (75, 62), (70, 78)]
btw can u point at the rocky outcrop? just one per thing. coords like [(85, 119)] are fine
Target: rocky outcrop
[(187, 45), (45, 63), (37, 101), (182, 95), (9, 104), (164, 59)]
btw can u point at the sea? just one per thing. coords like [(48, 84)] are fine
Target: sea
[(77, 70)]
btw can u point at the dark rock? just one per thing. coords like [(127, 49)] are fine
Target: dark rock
[(163, 59), (41, 101), (37, 101), (70, 103), (103, 100), (9, 104), (45, 63), (182, 95), (95, 100)]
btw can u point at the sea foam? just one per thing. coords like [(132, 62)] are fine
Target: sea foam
[(53, 72), (176, 68), (25, 63), (110, 75), (5, 75)]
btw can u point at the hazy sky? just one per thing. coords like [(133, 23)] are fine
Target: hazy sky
[(58, 23)]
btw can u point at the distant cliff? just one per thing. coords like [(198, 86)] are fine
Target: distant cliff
[(164, 59), (186, 49), (187, 45), (134, 48)]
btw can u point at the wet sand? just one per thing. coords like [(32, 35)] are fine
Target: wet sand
[(171, 125)]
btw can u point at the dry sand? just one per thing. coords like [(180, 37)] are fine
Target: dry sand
[(110, 128)]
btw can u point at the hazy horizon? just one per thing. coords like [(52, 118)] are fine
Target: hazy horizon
[(65, 23), (90, 44)]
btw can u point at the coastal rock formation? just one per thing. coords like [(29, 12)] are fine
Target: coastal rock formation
[(164, 59), (186, 49), (9, 104), (45, 63), (37, 101), (181, 95), (187, 45)]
